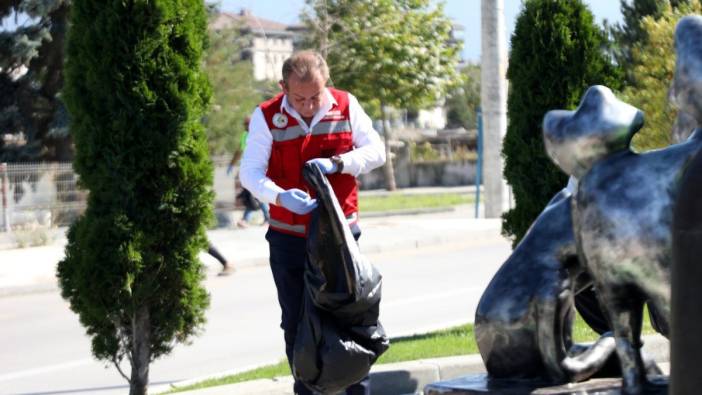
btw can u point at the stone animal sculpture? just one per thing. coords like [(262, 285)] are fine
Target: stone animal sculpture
[(623, 208)]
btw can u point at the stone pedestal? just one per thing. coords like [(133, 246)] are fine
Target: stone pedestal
[(480, 384)]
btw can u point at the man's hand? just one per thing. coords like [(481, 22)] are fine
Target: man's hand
[(297, 201), (325, 164)]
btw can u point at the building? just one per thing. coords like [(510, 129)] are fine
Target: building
[(271, 42)]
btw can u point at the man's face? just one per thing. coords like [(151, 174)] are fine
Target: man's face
[(306, 97)]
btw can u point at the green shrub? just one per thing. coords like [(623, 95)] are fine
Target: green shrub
[(423, 152), (557, 53)]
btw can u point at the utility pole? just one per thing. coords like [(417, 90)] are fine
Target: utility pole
[(493, 97)]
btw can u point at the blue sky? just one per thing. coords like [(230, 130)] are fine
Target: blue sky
[(465, 12)]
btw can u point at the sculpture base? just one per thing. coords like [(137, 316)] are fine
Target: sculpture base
[(481, 384)]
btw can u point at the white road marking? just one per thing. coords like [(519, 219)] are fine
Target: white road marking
[(45, 369)]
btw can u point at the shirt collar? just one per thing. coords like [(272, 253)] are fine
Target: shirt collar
[(329, 103)]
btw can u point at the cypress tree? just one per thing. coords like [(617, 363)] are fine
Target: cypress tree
[(557, 52), (136, 95)]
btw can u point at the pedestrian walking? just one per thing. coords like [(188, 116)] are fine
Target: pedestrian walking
[(227, 267)]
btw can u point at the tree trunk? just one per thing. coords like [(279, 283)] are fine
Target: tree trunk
[(388, 168), (493, 97), (141, 352)]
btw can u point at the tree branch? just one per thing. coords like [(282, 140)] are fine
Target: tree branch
[(115, 361)]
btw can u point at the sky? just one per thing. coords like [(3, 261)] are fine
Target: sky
[(465, 12)]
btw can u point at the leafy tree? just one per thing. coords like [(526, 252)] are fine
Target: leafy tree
[(235, 93), (463, 101), (652, 67), (136, 96), (628, 34), (652, 71), (391, 53), (31, 62), (557, 52)]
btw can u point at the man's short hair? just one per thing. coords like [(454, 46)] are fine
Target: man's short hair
[(306, 65)]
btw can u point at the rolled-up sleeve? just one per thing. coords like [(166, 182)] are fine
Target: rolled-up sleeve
[(254, 162), (369, 151)]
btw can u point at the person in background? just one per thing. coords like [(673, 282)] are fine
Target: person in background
[(227, 267), (306, 122), (250, 203)]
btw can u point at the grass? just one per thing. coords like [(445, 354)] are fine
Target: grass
[(407, 202), (583, 333), (458, 340), (264, 372)]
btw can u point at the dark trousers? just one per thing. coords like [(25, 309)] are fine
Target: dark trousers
[(288, 255), (212, 250)]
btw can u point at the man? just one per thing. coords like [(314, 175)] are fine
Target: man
[(307, 122)]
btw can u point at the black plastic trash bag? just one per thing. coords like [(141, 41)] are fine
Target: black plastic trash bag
[(338, 336)]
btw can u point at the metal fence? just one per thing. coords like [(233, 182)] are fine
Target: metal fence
[(47, 194), (39, 194)]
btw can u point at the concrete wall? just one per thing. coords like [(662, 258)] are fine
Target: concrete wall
[(224, 186), (426, 174)]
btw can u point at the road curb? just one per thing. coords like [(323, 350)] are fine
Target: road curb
[(408, 377), (388, 379)]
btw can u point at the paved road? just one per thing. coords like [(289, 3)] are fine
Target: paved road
[(45, 351)]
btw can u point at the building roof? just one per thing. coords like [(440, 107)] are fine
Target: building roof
[(248, 21)]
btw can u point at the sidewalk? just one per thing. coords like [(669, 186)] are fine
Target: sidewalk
[(404, 377), (27, 270)]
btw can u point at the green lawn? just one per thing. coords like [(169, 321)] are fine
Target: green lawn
[(407, 202), (459, 340), (265, 372)]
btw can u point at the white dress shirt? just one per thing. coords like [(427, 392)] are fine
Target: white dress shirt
[(368, 152)]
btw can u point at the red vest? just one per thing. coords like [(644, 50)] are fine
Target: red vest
[(292, 147)]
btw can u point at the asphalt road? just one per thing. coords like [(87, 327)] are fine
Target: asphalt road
[(45, 350)]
